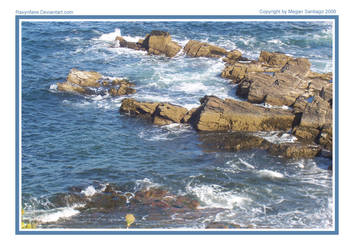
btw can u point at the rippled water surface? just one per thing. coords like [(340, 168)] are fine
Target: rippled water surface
[(82, 141)]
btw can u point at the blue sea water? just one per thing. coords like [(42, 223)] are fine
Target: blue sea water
[(71, 140)]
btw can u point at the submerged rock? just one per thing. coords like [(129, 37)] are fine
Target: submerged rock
[(199, 49)]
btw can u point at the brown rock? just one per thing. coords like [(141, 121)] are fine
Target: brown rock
[(84, 78), (125, 44), (166, 113), (230, 115), (275, 89), (132, 107), (123, 90), (238, 71), (297, 67), (159, 113), (273, 58), (72, 88), (323, 76), (317, 114), (159, 42), (231, 141), (199, 49), (295, 150)]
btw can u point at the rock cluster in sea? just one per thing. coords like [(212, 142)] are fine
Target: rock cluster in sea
[(281, 92)]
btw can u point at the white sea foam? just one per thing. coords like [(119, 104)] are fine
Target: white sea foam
[(215, 196), (56, 214), (247, 164), (265, 173), (110, 36), (89, 191), (145, 183), (277, 137)]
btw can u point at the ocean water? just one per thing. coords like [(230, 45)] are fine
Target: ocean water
[(79, 141)]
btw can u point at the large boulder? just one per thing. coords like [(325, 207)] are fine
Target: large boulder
[(216, 114), (159, 42), (199, 49), (273, 58), (156, 43), (84, 78), (166, 113), (158, 113)]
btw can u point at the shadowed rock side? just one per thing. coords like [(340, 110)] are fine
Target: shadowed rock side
[(236, 141), (235, 121), (157, 43), (90, 82)]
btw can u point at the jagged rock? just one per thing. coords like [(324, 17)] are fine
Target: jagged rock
[(276, 89), (166, 113), (158, 113), (186, 118), (238, 71), (143, 109), (325, 138), (90, 82), (122, 90), (199, 49), (317, 114), (72, 88), (131, 45), (84, 78), (273, 58), (216, 114), (159, 42), (297, 67), (323, 76), (233, 56)]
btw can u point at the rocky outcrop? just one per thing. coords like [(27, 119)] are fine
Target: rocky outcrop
[(316, 121), (236, 141), (199, 49), (91, 82), (216, 114), (278, 79), (159, 42), (156, 43), (158, 113)]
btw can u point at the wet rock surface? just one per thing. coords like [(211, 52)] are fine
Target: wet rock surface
[(216, 114), (158, 113), (200, 49), (156, 43), (91, 82)]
